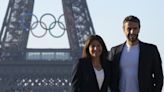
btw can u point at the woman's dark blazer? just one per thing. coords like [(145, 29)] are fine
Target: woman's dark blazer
[(84, 77), (150, 76)]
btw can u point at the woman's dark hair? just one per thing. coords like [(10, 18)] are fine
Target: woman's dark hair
[(91, 38)]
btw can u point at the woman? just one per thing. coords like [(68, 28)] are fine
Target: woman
[(92, 72)]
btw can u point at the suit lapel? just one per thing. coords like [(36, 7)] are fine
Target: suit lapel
[(118, 58), (119, 52), (141, 61), (105, 76), (93, 75)]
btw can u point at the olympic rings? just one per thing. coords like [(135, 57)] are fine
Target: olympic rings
[(43, 25)]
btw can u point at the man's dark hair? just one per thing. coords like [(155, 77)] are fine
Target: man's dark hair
[(132, 19)]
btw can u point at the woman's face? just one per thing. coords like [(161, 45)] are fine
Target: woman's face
[(95, 49)]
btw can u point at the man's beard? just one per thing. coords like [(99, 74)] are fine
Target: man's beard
[(132, 37)]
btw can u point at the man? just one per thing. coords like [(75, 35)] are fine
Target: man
[(136, 65)]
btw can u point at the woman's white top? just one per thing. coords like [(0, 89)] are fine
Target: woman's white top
[(99, 76)]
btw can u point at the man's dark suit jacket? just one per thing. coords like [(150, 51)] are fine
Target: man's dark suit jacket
[(150, 74), (84, 77)]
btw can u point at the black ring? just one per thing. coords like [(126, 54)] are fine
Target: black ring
[(58, 36), (39, 36), (51, 23)]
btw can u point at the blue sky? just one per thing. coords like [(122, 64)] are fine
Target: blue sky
[(107, 17)]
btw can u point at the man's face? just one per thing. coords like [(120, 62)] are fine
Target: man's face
[(131, 30)]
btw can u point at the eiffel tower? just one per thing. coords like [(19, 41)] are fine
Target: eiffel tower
[(40, 70)]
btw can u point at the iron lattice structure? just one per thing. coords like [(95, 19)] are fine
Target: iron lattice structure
[(40, 70)]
